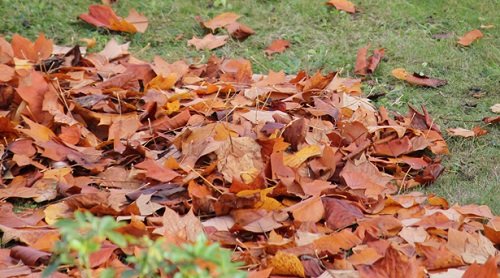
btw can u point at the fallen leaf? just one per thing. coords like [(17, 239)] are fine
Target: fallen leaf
[(470, 37), (418, 80), (342, 5), (277, 46), (208, 42), (286, 264), (495, 108), (461, 132), (220, 21), (488, 270), (104, 16)]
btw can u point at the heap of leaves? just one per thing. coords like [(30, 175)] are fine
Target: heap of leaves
[(299, 175)]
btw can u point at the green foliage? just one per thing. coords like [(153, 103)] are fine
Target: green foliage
[(84, 235)]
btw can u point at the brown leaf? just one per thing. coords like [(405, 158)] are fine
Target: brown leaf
[(220, 21), (208, 42), (470, 37), (29, 256), (418, 80), (335, 242), (25, 49), (342, 5), (239, 31), (310, 210), (277, 46), (155, 171), (186, 227), (340, 214), (393, 265)]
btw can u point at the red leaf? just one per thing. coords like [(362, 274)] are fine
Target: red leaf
[(277, 46)]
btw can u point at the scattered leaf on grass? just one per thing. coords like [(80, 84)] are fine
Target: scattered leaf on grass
[(416, 79), (277, 46), (104, 16), (342, 5), (208, 42), (470, 37), (495, 108)]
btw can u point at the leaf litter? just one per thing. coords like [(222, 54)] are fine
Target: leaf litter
[(299, 174)]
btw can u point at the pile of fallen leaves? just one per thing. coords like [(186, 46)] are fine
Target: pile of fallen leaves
[(299, 175)]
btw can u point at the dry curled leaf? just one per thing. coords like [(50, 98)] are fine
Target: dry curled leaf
[(418, 80)]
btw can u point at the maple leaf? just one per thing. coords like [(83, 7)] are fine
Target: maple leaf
[(104, 16), (208, 42), (277, 46)]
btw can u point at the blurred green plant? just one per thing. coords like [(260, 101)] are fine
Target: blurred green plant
[(85, 234)]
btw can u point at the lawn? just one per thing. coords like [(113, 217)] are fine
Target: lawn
[(325, 39)]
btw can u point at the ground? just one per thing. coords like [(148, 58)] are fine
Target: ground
[(325, 39)]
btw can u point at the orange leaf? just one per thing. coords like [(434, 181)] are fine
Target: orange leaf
[(208, 42), (25, 49), (104, 16), (470, 37), (310, 210), (487, 270), (418, 80), (220, 21), (342, 5), (277, 46)]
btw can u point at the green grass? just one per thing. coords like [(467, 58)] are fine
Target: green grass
[(323, 38)]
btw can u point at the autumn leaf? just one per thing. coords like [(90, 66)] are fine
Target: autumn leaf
[(220, 21), (277, 46), (27, 50), (286, 264), (342, 5), (368, 65), (208, 42), (104, 16), (462, 132), (418, 80), (470, 37)]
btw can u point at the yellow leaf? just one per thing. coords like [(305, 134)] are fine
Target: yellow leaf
[(286, 264), (173, 107), (183, 95), (301, 156), (55, 212), (37, 131), (223, 132), (161, 82), (265, 202), (400, 73)]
